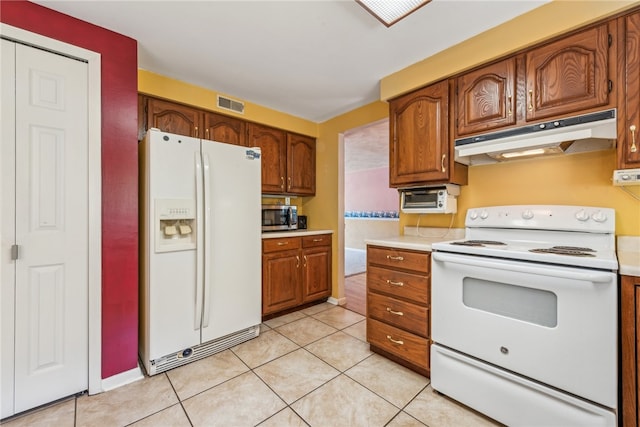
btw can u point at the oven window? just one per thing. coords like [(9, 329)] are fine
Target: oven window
[(527, 304)]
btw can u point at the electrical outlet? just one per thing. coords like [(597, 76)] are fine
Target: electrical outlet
[(626, 177)]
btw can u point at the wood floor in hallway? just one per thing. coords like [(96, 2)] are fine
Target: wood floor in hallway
[(355, 290)]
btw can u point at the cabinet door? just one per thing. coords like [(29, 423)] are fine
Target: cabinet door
[(630, 325), (273, 145), (629, 132), (301, 165), (486, 98), (221, 128), (174, 118), (569, 75), (419, 136), (281, 281), (316, 265)]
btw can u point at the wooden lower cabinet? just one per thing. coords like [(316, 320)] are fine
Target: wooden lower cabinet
[(630, 329), (295, 271), (398, 305)]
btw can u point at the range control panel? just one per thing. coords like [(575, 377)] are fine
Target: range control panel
[(626, 177)]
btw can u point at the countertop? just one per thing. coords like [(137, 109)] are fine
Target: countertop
[(418, 239), (629, 255), (294, 233), (421, 240)]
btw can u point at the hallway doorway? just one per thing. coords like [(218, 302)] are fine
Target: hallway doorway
[(370, 206)]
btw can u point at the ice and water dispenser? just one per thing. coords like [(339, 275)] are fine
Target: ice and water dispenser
[(175, 224)]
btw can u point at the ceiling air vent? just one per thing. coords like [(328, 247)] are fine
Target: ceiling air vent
[(230, 104)]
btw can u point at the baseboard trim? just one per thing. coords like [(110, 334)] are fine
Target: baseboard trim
[(122, 378), (335, 301)]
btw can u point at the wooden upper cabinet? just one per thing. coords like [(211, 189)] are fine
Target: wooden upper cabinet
[(174, 118), (486, 98), (569, 75), (273, 145), (419, 136), (629, 121), (230, 130), (301, 164)]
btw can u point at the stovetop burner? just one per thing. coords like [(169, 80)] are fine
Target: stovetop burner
[(478, 243), (571, 236), (565, 250), (573, 248)]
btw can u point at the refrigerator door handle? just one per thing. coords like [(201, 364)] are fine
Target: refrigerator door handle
[(207, 240), (199, 239)]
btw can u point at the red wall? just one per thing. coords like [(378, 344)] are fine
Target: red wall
[(119, 171), (368, 190)]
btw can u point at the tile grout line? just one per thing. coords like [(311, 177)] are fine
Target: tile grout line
[(179, 400), (341, 372)]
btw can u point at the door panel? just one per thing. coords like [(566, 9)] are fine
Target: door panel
[(232, 289), (170, 288), (46, 290), (51, 283), (273, 147), (419, 136)]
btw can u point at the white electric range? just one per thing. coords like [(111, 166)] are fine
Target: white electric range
[(524, 315)]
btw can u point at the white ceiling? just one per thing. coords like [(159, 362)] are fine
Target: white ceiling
[(312, 59)]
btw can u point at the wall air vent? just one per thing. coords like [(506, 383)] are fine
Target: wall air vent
[(230, 104)]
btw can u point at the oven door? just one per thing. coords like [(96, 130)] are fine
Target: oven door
[(554, 324)]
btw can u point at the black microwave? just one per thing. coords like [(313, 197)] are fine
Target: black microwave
[(279, 217)]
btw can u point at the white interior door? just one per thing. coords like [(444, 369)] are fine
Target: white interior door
[(50, 287), (7, 223)]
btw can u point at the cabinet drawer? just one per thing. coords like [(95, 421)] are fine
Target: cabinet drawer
[(405, 345), (414, 287), (397, 258), (412, 317), (281, 244), (316, 240)]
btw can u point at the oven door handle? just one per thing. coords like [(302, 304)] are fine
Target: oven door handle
[(593, 277)]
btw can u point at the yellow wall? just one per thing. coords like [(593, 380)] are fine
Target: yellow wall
[(576, 179), (175, 90)]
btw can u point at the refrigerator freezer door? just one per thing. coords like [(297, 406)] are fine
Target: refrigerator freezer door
[(169, 288), (233, 289)]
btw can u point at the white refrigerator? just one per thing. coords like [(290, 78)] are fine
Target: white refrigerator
[(200, 241)]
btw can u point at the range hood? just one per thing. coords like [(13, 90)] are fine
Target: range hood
[(589, 132)]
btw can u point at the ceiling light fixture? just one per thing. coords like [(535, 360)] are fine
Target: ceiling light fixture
[(391, 11)]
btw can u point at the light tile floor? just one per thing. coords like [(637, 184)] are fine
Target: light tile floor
[(308, 368)]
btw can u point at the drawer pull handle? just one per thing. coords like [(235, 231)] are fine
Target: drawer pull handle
[(395, 283), (400, 342), (297, 261), (395, 258), (318, 240), (397, 313), (283, 243)]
